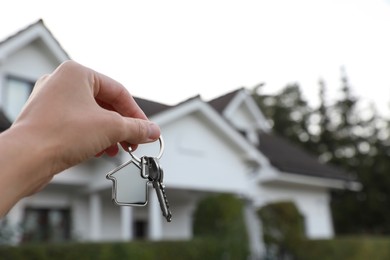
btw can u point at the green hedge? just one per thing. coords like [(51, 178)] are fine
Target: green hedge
[(195, 249), (346, 248), (284, 237), (219, 229)]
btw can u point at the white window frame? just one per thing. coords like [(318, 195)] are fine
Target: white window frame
[(5, 94)]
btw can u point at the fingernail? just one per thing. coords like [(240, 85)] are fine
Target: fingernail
[(154, 131)]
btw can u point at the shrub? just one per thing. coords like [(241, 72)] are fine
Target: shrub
[(346, 248), (167, 250), (221, 217), (283, 228), (8, 232)]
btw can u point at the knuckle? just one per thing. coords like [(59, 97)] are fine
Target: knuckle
[(142, 130), (67, 63)]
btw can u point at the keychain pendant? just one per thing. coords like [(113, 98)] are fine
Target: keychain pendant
[(129, 188), (130, 182)]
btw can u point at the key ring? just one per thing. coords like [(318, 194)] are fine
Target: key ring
[(138, 160)]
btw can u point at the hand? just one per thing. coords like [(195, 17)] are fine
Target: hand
[(72, 115)]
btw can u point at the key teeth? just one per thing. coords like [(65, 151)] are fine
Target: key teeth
[(165, 198), (169, 217)]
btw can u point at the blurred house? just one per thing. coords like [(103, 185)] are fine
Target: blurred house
[(221, 146)]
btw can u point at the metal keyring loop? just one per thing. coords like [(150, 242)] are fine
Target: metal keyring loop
[(159, 155)]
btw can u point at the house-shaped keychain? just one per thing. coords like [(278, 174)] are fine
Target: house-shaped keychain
[(129, 188)]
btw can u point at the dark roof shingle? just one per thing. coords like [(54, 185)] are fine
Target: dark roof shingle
[(221, 102), (290, 158), (150, 108)]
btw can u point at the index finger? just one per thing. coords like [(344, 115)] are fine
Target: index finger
[(116, 95)]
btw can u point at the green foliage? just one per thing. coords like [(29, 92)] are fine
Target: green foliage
[(191, 250), (348, 134), (283, 227), (7, 231), (287, 111), (221, 217), (346, 248), (220, 231)]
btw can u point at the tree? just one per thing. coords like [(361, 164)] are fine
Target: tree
[(345, 134), (283, 229), (324, 141), (287, 111), (357, 149)]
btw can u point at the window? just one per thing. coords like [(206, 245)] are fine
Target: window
[(15, 94), (46, 225), (140, 228)]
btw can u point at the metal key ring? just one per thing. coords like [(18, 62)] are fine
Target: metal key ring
[(138, 160)]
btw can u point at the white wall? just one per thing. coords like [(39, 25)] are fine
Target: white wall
[(80, 218), (30, 62), (200, 158)]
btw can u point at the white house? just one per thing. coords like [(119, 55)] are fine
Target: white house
[(224, 145)]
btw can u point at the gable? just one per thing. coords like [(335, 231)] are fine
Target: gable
[(203, 152), (29, 34), (242, 118), (220, 103), (25, 57), (30, 62), (243, 113)]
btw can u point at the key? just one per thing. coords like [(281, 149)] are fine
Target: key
[(156, 175)]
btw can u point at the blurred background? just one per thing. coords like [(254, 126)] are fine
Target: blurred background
[(317, 71)]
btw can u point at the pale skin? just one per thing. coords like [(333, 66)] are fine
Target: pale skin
[(72, 115)]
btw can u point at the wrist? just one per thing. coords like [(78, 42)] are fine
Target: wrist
[(25, 165)]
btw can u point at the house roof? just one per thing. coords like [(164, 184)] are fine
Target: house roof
[(30, 32), (40, 21), (284, 155), (150, 108), (221, 102), (289, 158)]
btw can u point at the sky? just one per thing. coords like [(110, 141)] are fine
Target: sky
[(171, 50)]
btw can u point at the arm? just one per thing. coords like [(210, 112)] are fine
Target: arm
[(72, 115)]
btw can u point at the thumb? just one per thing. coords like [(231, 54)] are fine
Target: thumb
[(138, 131)]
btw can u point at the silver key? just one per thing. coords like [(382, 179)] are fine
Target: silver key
[(156, 175)]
